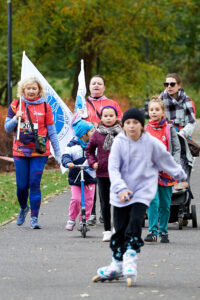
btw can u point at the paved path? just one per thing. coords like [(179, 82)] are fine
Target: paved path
[(53, 264)]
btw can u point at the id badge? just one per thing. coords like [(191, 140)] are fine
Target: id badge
[(27, 126)]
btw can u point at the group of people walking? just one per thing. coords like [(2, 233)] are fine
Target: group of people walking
[(134, 165)]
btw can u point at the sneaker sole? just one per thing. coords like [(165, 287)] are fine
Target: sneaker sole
[(150, 241), (36, 227), (107, 240), (97, 278), (164, 242)]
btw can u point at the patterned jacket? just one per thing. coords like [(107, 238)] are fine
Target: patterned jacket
[(180, 111), (75, 154)]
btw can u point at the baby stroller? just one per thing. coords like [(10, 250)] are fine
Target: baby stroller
[(180, 210)]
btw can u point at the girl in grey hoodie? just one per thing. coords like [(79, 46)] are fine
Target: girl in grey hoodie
[(134, 162)]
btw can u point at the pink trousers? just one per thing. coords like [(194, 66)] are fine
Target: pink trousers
[(75, 203)]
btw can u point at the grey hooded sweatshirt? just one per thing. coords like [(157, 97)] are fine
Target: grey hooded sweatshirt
[(135, 165)]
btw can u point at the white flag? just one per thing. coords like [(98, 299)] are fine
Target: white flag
[(61, 113), (80, 98)]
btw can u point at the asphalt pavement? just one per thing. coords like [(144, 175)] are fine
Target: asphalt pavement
[(55, 264)]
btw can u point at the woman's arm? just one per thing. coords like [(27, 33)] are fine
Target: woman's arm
[(52, 134), (189, 112), (175, 145), (188, 129), (10, 124), (12, 119)]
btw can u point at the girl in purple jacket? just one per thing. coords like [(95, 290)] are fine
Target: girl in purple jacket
[(101, 140)]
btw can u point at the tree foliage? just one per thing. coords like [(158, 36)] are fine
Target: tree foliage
[(132, 43)]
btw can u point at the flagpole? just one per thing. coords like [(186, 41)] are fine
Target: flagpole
[(20, 99), (9, 94), (19, 119)]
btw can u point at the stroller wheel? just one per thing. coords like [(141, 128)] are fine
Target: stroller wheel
[(194, 216), (180, 223)]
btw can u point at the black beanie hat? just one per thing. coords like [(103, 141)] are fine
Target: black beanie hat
[(133, 113)]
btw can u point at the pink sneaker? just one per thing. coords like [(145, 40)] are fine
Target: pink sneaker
[(70, 225)]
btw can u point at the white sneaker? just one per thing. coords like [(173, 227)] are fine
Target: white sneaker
[(70, 225), (107, 236)]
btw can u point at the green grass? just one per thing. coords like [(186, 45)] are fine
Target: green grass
[(53, 183)]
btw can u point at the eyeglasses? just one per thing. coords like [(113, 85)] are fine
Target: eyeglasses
[(172, 84)]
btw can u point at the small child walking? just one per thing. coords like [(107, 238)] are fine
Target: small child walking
[(133, 165), (74, 154), (159, 209), (101, 141)]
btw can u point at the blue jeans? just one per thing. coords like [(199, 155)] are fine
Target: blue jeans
[(159, 210), (29, 172)]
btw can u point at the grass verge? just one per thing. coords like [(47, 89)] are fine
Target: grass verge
[(53, 183)]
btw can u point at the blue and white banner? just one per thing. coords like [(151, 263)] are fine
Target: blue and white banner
[(62, 114), (81, 93)]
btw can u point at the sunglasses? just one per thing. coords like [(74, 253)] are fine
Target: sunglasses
[(172, 84)]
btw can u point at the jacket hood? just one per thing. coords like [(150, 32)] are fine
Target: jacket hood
[(73, 142)]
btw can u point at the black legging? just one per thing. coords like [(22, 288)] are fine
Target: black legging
[(128, 222), (94, 203), (104, 194)]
